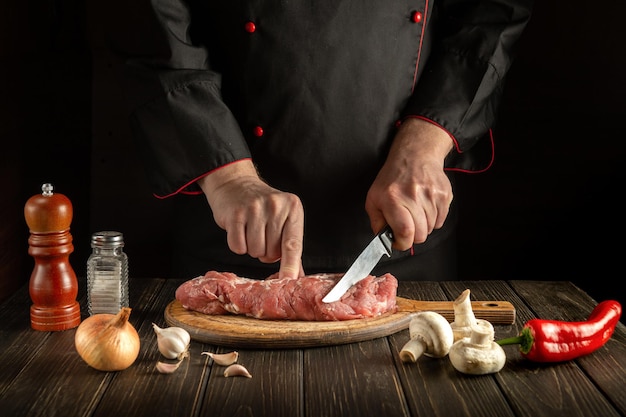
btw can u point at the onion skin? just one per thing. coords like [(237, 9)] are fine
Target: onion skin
[(108, 342)]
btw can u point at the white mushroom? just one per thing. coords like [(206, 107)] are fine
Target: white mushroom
[(463, 316), (430, 334), (478, 354)]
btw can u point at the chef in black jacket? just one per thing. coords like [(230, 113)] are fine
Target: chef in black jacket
[(288, 132)]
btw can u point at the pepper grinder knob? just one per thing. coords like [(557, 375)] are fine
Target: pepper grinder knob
[(53, 285)]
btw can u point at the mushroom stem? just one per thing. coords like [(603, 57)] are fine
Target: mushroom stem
[(478, 354), (463, 316), (430, 335), (482, 333), (412, 350)]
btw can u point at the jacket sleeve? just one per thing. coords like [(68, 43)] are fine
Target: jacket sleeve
[(461, 84), (181, 124)]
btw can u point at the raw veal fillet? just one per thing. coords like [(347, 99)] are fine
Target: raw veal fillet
[(289, 299)]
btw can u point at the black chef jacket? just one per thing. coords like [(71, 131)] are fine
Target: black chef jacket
[(312, 91)]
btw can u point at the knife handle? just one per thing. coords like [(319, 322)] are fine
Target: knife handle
[(386, 236), (496, 311)]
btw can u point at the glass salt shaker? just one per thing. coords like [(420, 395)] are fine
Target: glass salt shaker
[(107, 274)]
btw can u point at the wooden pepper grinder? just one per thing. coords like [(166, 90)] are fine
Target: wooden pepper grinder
[(53, 285)]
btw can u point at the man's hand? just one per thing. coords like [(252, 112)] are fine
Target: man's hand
[(263, 222), (411, 192)]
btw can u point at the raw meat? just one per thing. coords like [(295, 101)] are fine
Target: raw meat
[(290, 299)]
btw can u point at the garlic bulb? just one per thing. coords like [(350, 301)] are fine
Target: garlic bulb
[(173, 342)]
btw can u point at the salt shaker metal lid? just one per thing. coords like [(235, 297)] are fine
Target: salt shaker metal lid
[(107, 238)]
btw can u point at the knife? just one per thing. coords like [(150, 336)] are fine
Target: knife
[(363, 265)]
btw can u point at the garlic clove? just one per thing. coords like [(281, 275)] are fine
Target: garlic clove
[(167, 368), (173, 342), (237, 370), (223, 358)]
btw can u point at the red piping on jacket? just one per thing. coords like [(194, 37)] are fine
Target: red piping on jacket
[(419, 50), (458, 149), (181, 190), (493, 156)]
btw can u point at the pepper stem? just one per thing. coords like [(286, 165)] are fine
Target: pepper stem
[(515, 340), (524, 339)]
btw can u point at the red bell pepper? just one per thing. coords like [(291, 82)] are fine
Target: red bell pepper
[(558, 341)]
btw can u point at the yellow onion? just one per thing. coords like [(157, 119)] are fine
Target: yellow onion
[(108, 342)]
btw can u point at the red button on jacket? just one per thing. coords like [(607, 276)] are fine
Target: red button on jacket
[(250, 27)]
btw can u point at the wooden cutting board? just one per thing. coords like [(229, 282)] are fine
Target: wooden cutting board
[(246, 332)]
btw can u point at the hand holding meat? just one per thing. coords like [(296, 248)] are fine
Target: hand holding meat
[(261, 221), (412, 192)]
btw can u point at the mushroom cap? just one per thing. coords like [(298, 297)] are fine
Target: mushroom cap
[(434, 330)]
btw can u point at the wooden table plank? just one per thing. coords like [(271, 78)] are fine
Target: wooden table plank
[(275, 388), (18, 341), (358, 379)]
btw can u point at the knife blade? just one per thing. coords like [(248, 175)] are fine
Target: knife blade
[(363, 265)]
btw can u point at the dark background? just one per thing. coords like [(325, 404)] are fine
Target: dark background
[(547, 210)]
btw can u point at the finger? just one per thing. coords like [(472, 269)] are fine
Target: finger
[(291, 248), (377, 219), (442, 214), (403, 227), (291, 261), (236, 237), (422, 227), (273, 241), (443, 209), (255, 229), (255, 239)]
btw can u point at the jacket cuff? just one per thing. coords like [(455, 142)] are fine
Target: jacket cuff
[(477, 159), (192, 187)]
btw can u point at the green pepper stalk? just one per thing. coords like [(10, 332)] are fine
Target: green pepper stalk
[(559, 341)]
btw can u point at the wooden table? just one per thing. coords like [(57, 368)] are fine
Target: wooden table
[(42, 375)]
